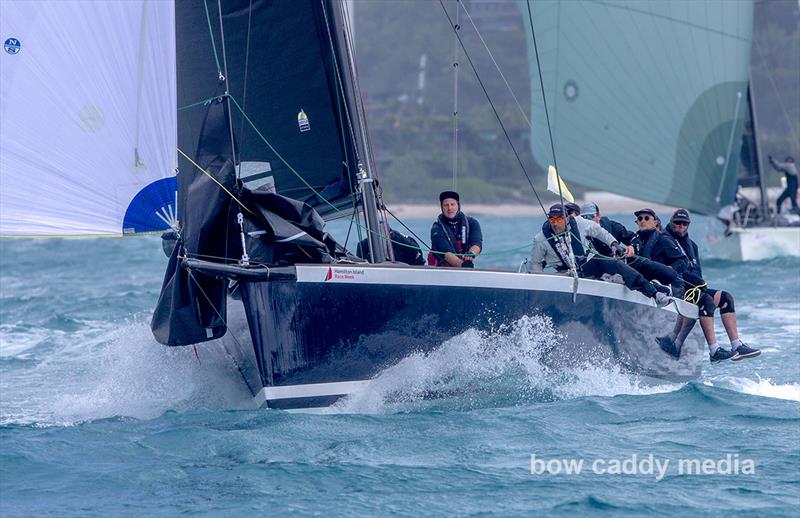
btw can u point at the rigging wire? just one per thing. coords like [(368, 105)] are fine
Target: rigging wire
[(494, 109), (455, 98), (567, 239), (496, 65), (227, 89), (246, 70), (406, 227), (784, 111), (213, 41)]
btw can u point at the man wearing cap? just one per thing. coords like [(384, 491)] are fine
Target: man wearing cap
[(573, 209), (550, 248), (710, 299), (591, 212), (456, 239), (789, 169), (653, 250)]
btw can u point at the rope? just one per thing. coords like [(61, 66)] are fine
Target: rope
[(242, 205), (496, 114), (692, 295), (213, 43), (497, 66)]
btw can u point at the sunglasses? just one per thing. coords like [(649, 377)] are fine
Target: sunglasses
[(556, 219), (679, 224), (644, 218)]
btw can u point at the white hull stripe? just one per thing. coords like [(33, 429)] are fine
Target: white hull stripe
[(339, 388), (475, 279)]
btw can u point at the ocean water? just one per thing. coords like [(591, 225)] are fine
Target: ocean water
[(97, 419)]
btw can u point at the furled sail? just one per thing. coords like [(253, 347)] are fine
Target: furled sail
[(87, 117), (291, 97), (646, 98)]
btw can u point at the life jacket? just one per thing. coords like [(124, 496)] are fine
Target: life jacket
[(458, 238), (646, 249), (558, 245), (686, 247)]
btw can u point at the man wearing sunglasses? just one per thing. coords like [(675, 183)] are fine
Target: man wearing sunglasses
[(653, 250), (550, 249), (710, 299)]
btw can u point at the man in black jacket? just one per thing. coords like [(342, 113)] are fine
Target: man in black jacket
[(709, 300), (456, 239), (653, 250), (591, 212), (405, 248)]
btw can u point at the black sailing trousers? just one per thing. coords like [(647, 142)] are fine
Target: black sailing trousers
[(597, 266), (790, 192), (660, 272)]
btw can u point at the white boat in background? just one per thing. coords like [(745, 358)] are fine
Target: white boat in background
[(756, 243)]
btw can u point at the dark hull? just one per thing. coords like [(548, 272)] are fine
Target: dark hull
[(313, 337)]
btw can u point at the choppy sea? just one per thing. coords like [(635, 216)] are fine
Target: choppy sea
[(97, 419)]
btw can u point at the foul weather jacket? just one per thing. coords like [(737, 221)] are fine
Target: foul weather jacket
[(543, 255)]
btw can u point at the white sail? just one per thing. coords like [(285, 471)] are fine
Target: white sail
[(87, 117)]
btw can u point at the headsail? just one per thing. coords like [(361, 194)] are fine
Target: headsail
[(646, 98), (87, 117), (292, 103)]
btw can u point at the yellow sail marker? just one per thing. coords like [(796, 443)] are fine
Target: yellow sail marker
[(553, 182)]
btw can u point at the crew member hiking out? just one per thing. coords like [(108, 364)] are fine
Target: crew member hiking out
[(550, 249), (456, 239), (708, 300), (649, 246)]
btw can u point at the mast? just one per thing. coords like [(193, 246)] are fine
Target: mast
[(378, 235), (757, 149)]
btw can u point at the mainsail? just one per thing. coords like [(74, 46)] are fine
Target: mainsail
[(647, 98), (87, 118)]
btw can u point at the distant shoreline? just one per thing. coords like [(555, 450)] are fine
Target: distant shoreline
[(608, 203)]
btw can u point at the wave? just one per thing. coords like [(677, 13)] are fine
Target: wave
[(123, 373), (762, 387), (502, 368)]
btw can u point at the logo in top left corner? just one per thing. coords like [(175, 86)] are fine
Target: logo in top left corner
[(12, 45)]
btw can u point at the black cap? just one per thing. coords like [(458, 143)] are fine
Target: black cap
[(645, 211), (449, 194), (573, 208), (681, 216), (556, 210)]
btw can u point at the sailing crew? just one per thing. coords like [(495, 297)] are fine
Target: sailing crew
[(789, 169), (456, 239), (591, 212), (573, 209), (550, 249), (652, 250), (405, 248), (709, 300)]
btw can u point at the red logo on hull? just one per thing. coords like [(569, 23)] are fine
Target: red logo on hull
[(329, 275)]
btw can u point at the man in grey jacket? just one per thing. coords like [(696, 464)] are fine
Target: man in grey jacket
[(789, 169), (550, 248)]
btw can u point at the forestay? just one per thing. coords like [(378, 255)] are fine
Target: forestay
[(87, 117)]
